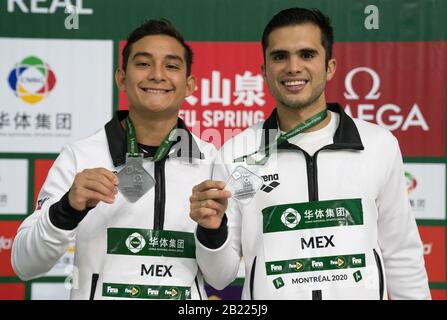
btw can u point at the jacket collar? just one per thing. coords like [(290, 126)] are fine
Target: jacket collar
[(116, 138), (346, 136)]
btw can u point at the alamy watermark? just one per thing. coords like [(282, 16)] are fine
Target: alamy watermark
[(372, 18), (72, 20)]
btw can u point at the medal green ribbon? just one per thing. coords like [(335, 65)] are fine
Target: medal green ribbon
[(132, 144), (301, 127)]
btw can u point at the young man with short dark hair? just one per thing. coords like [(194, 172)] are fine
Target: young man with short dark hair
[(335, 222), (122, 193)]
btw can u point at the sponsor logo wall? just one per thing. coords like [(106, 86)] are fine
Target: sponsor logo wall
[(54, 94), (375, 87), (51, 94), (57, 86)]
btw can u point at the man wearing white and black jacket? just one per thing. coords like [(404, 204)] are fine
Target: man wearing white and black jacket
[(137, 243), (332, 219)]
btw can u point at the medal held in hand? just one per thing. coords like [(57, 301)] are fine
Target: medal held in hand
[(134, 180), (243, 184)]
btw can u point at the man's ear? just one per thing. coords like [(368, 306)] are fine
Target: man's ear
[(190, 85), (120, 76), (331, 67)]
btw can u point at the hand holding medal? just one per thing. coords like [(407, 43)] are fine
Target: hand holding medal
[(92, 186), (208, 203)]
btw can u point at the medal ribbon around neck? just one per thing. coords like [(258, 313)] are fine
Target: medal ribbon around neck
[(301, 127), (132, 144)]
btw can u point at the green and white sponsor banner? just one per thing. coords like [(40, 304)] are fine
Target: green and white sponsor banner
[(148, 242), (148, 264), (54, 91), (310, 215), (327, 248)]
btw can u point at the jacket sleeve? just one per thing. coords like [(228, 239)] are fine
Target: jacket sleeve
[(399, 238), (221, 264), (39, 243)]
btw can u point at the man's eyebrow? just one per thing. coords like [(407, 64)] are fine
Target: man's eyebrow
[(142, 54), (174, 57), (278, 51), (308, 50), (286, 52), (150, 55)]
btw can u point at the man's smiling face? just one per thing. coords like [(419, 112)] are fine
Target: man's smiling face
[(295, 68), (155, 79)]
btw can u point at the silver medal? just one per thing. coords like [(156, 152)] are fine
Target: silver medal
[(243, 184), (134, 180)]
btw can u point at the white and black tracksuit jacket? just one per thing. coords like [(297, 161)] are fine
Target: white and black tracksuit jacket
[(44, 236), (363, 164)]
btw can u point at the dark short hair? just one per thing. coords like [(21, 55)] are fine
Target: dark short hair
[(157, 27), (298, 16)]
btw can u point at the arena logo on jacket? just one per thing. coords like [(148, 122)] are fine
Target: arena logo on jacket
[(271, 181)]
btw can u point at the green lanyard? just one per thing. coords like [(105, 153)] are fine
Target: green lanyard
[(301, 127), (132, 144)]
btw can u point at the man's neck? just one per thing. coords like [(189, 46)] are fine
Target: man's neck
[(289, 118), (152, 129)]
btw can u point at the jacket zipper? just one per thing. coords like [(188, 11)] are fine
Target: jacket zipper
[(312, 184), (252, 278), (95, 277), (379, 267), (160, 195), (160, 201), (198, 288), (312, 176)]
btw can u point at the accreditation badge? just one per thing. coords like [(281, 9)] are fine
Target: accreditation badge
[(243, 184), (323, 246), (134, 180), (148, 264)]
